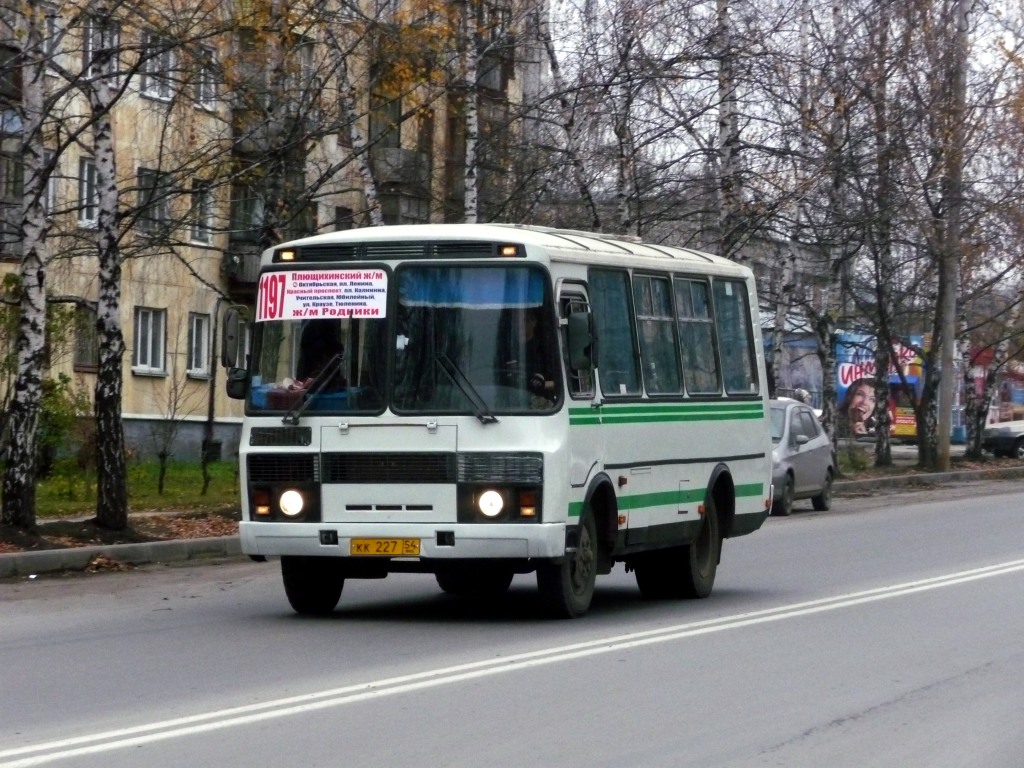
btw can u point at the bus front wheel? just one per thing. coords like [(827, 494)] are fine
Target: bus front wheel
[(313, 584), (567, 587)]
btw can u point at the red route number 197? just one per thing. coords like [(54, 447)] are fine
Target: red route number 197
[(271, 296)]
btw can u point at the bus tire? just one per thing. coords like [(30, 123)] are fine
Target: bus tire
[(312, 584), (486, 582), (682, 572), (654, 573), (702, 555), (567, 587)]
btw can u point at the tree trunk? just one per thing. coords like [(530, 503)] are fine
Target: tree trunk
[(20, 471), (470, 52), (112, 476)]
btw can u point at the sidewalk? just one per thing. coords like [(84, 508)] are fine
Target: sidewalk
[(20, 564)]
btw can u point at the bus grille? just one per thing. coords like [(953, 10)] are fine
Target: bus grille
[(373, 251), (389, 467), (263, 436), (282, 468)]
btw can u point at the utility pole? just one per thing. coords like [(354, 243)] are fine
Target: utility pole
[(949, 267)]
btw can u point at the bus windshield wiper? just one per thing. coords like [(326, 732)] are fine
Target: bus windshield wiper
[(480, 409), (318, 383)]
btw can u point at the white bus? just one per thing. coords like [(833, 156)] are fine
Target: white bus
[(480, 401)]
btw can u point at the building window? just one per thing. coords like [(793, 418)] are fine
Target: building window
[(88, 193), (343, 218), (87, 345), (149, 340), (50, 193), (198, 344), (157, 66), (202, 211), (206, 80), (100, 42), (154, 201), (53, 31), (12, 184)]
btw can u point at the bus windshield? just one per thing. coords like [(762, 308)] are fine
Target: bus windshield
[(474, 338), (461, 339)]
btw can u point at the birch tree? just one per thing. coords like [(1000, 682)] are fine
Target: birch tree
[(20, 469)]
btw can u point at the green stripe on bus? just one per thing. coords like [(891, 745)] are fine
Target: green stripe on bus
[(669, 498), (750, 489), (676, 412)]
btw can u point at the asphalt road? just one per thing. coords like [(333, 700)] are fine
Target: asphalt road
[(884, 633)]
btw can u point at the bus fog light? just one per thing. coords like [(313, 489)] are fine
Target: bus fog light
[(490, 503), (291, 503)]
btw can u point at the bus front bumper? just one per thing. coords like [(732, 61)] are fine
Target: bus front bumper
[(435, 541)]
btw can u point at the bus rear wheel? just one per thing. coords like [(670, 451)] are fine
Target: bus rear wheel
[(683, 572), (312, 584), (567, 587)]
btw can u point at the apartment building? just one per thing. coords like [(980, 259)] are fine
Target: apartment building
[(236, 125)]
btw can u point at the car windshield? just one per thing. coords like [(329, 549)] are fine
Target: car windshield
[(778, 414)]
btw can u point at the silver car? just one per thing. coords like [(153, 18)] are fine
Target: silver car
[(802, 465), (1004, 438)]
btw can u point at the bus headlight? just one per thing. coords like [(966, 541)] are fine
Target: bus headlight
[(491, 503), (291, 502)]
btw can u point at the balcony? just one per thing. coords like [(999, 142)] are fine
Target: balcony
[(241, 268), (403, 168)]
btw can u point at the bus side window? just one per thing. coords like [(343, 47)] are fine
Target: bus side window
[(697, 337), (580, 382), (659, 352), (618, 366), (732, 316)]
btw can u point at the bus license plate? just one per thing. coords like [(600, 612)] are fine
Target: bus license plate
[(385, 547)]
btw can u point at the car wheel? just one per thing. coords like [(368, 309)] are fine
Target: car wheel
[(823, 501), (1018, 449), (313, 584), (783, 506)]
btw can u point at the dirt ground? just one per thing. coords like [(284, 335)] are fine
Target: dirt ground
[(143, 526)]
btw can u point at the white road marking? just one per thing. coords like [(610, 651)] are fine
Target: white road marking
[(50, 751)]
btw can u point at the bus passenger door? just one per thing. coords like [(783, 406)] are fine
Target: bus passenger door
[(586, 438)]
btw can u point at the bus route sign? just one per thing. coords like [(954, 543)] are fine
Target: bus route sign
[(302, 294)]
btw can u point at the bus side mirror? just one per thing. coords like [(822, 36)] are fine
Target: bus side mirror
[(231, 338), (582, 344), (235, 384)]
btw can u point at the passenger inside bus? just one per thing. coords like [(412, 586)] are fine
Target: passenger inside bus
[(319, 345)]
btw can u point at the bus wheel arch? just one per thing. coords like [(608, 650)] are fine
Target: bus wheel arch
[(602, 504), (721, 491)]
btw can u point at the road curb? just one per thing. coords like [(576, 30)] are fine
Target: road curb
[(79, 558), (930, 478)]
